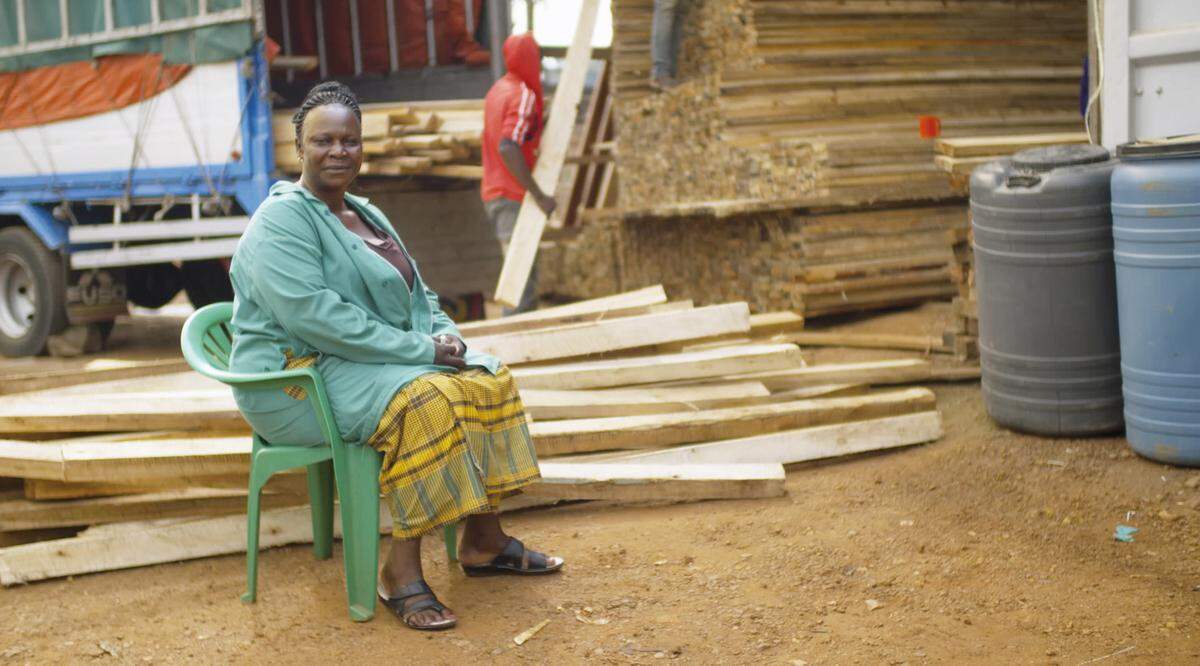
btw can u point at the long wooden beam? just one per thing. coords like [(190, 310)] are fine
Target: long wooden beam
[(660, 368), (616, 304), (531, 221), (543, 404), (661, 430), (614, 335)]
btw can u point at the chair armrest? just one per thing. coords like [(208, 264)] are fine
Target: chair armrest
[(307, 379)]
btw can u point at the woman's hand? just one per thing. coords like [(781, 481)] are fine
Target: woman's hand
[(448, 354)]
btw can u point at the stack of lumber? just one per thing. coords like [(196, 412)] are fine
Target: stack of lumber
[(849, 79), (959, 157), (410, 139), (631, 397)]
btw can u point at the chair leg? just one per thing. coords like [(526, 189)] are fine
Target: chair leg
[(252, 520), (320, 498), (356, 470), (450, 536)]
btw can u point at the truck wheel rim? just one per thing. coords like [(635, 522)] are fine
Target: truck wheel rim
[(18, 301)]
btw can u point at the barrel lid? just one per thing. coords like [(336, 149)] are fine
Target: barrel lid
[(1184, 145), (1049, 158)]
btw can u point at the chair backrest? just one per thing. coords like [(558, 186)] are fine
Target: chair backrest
[(207, 339)]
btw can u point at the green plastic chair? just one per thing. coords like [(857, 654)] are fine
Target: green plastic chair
[(207, 341)]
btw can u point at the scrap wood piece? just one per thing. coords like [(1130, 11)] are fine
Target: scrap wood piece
[(531, 221), (604, 336), (795, 446), (549, 404), (615, 305), (687, 366), (25, 514), (660, 430), (638, 481)]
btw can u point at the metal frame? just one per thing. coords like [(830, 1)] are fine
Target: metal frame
[(155, 27), (393, 38)]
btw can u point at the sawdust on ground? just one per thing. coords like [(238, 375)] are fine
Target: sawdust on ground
[(985, 547)]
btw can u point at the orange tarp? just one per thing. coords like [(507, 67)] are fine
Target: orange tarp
[(84, 88)]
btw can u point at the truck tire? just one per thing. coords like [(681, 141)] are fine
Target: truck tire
[(206, 282), (32, 293), (153, 285)]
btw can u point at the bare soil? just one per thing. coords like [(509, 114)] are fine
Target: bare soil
[(987, 546)]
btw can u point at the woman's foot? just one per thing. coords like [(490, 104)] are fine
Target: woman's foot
[(402, 588), (487, 550)]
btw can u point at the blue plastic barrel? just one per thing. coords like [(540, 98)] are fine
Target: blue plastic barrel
[(1156, 233)]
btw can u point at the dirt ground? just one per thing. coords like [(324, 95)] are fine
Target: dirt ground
[(985, 547)]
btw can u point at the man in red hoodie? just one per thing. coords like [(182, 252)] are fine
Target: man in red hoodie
[(512, 129)]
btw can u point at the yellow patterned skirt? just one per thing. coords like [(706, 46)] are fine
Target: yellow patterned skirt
[(453, 444)]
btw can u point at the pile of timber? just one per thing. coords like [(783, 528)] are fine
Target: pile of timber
[(850, 77), (440, 138), (959, 157), (630, 397)]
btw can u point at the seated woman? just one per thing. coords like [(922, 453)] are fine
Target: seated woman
[(321, 278)]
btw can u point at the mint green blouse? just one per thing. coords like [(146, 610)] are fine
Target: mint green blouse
[(305, 285)]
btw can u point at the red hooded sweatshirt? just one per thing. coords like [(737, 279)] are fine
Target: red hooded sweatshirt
[(512, 110)]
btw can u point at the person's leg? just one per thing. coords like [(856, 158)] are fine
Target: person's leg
[(403, 566), (676, 36), (503, 213), (662, 29), (482, 540)]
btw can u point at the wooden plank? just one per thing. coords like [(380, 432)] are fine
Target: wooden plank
[(643, 482), (95, 370), (626, 333), (212, 410), (531, 221), (921, 343), (139, 544), (687, 366), (1004, 145), (660, 430), (544, 404), (193, 502), (618, 304), (153, 460), (795, 446), (44, 489), (961, 166), (898, 371), (30, 460)]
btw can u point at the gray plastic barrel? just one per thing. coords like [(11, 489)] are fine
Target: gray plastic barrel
[(1156, 225), (1048, 341)]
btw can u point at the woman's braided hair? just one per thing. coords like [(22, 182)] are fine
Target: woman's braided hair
[(322, 94)]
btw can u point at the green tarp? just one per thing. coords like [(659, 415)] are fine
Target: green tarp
[(199, 45)]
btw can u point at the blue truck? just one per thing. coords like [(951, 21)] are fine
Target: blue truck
[(137, 200)]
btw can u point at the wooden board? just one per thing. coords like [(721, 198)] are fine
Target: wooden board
[(795, 446), (213, 410), (921, 343), (544, 404), (611, 335), (643, 482), (660, 430), (615, 305), (661, 368), (980, 146), (95, 370), (899, 371), (531, 221), (193, 502)]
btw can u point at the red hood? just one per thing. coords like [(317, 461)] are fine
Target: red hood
[(523, 58)]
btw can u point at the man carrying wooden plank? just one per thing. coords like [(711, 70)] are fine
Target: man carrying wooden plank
[(512, 129)]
